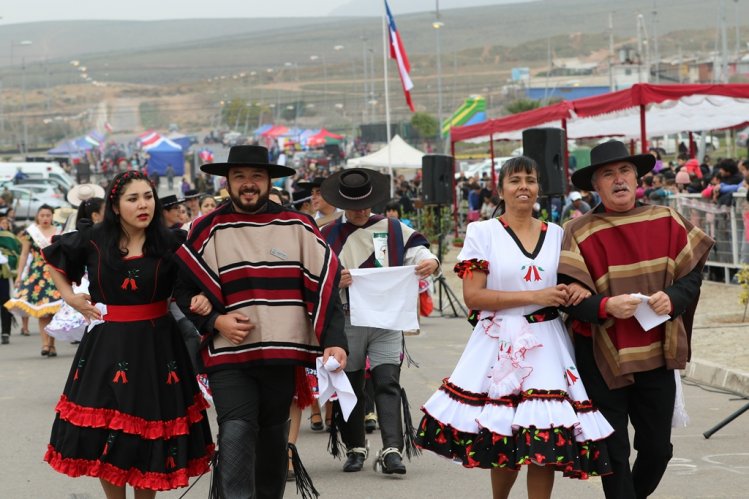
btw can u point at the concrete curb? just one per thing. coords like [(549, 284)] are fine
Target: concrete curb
[(718, 376)]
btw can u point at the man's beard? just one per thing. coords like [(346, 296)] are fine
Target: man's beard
[(249, 207)]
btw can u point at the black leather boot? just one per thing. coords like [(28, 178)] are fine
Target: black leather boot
[(272, 462), (237, 441), (352, 431), (386, 379)]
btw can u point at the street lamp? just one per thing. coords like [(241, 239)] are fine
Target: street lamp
[(24, 145)]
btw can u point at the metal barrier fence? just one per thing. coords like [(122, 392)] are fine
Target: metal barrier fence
[(725, 224)]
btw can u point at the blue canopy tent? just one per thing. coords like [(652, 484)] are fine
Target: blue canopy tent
[(184, 141), (71, 148), (163, 153)]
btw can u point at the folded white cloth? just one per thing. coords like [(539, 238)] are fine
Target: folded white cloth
[(384, 298), (645, 315), (330, 383), (103, 309)]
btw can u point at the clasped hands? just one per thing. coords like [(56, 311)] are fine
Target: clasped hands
[(562, 295)]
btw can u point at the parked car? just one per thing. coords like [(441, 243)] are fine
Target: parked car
[(27, 202), (44, 190)]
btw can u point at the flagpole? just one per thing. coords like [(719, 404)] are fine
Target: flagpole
[(385, 36)]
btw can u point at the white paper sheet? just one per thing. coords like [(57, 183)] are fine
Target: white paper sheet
[(645, 315), (329, 383), (384, 298)]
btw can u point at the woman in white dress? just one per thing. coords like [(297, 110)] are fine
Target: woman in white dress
[(515, 397)]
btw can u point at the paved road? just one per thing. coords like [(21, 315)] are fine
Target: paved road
[(718, 467)]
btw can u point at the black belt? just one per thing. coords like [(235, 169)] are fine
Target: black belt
[(542, 315)]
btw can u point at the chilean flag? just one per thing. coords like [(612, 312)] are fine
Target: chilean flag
[(398, 52)]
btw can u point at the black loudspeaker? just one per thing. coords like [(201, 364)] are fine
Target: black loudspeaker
[(437, 179), (546, 147)]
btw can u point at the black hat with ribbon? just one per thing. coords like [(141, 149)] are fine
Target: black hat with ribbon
[(612, 151), (255, 156), (356, 189), (170, 201)]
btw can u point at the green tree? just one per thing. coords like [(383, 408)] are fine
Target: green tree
[(425, 125), (521, 105)]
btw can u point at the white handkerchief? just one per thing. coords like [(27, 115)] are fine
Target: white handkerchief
[(384, 297), (329, 383), (645, 315), (103, 309)]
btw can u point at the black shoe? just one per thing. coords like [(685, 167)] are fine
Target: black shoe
[(354, 462), (316, 426), (393, 464), (6, 339)]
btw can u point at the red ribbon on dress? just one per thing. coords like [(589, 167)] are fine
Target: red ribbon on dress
[(120, 375), (129, 281), (172, 378), (532, 273)]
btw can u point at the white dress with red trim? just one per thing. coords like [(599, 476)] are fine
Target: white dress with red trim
[(515, 397), (131, 411)]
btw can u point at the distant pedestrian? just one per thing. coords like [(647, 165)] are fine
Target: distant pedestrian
[(170, 177)]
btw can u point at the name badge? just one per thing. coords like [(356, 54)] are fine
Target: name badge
[(279, 254)]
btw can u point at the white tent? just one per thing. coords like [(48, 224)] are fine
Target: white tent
[(400, 153)]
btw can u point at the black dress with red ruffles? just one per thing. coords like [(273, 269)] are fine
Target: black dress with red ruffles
[(131, 411)]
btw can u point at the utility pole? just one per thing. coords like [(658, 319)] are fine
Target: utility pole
[(723, 44), (612, 87), (656, 54), (437, 25)]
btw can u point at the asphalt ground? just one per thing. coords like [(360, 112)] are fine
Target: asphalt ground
[(701, 468)]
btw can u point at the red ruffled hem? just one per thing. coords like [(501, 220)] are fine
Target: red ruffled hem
[(143, 480), (112, 419)]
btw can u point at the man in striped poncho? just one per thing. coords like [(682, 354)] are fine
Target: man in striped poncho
[(272, 281), (618, 249)]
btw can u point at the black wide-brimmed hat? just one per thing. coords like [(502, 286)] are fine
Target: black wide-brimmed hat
[(611, 151), (255, 156), (309, 184), (191, 194), (355, 189), (298, 198), (169, 201)]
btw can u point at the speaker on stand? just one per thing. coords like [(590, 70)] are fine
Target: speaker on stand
[(437, 191), (547, 147)]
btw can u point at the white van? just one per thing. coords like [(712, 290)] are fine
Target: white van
[(51, 171)]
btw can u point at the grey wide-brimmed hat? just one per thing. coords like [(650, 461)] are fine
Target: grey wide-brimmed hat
[(256, 156), (610, 152), (355, 189)]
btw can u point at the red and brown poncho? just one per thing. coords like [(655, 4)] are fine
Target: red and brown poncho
[(644, 250)]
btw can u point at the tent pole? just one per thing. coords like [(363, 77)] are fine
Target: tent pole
[(491, 151), (632, 147), (643, 130), (455, 194), (566, 160)]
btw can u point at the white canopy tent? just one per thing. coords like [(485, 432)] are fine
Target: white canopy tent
[(397, 153)]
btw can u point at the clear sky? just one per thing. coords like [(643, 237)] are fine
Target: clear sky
[(22, 11)]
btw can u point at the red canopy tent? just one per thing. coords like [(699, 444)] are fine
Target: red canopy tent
[(669, 108), (321, 138)]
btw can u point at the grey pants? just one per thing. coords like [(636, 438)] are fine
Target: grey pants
[(383, 346)]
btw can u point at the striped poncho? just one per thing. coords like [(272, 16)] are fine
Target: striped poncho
[(273, 267), (643, 250)]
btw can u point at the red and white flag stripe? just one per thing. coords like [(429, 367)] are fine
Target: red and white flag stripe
[(398, 52)]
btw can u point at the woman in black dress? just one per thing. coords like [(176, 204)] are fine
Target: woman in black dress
[(131, 412)]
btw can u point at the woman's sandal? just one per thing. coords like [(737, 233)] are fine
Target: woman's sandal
[(315, 422), (25, 332), (45, 351), (52, 352)]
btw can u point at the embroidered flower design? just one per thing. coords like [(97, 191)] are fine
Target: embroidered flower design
[(172, 377), (170, 463), (532, 273), (121, 374), (570, 372), (130, 280), (81, 363)]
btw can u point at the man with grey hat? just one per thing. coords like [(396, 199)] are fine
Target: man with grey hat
[(359, 238), (272, 281), (629, 255)]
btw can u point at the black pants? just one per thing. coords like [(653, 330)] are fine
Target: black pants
[(259, 395), (649, 405), (6, 319), (253, 408)]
